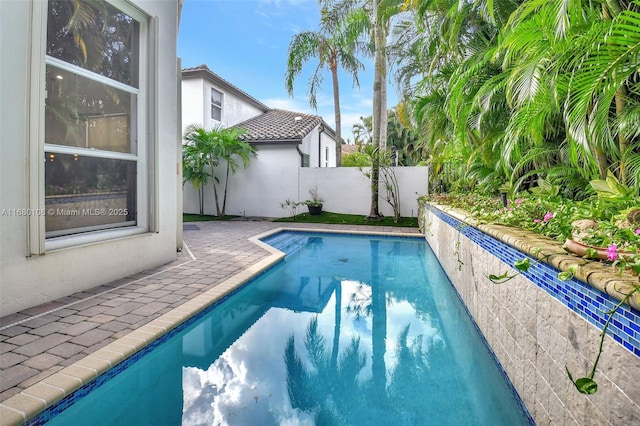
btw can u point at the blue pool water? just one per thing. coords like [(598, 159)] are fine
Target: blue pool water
[(347, 330)]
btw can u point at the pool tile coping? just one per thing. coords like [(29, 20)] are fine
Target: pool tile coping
[(30, 402), (593, 273)]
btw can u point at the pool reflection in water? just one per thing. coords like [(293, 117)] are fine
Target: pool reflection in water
[(347, 330)]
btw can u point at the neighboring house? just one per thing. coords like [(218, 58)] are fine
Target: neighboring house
[(350, 148), (90, 183), (311, 137), (209, 100), (285, 141)]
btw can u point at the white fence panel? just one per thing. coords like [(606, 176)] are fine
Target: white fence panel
[(264, 185)]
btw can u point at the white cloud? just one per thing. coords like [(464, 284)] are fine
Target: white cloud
[(289, 104), (348, 120)]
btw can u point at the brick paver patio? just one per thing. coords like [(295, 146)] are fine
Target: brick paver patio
[(37, 342)]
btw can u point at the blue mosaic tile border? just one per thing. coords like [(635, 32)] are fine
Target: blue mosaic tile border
[(290, 240), (588, 302)]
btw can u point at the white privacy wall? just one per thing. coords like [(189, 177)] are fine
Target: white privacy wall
[(275, 176)]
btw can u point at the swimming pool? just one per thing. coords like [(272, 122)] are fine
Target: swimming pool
[(346, 330)]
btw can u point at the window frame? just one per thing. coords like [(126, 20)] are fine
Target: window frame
[(216, 106), (145, 137)]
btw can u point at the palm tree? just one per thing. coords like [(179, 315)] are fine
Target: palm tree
[(547, 85), (333, 46), (204, 149), (441, 53), (332, 375), (403, 138), (197, 159), (370, 20), (231, 149), (603, 101)]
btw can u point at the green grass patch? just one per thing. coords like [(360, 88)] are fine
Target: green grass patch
[(349, 219), (187, 217)]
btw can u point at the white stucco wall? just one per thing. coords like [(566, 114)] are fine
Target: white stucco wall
[(328, 149), (275, 176), (193, 109), (252, 191), (347, 189), (234, 109), (29, 281), (315, 144), (271, 178), (196, 105)]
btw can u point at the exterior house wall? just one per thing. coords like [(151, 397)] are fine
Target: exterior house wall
[(274, 171), (234, 109), (193, 111), (258, 190), (328, 149), (272, 177), (196, 105), (306, 147), (316, 144), (28, 280)]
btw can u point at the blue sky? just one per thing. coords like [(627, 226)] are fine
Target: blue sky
[(246, 43)]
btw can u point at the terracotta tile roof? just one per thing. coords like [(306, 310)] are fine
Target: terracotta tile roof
[(274, 125), (278, 125), (349, 148)]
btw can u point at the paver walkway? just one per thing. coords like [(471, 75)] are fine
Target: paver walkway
[(37, 342)]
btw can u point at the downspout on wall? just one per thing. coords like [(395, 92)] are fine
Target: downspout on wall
[(320, 130), (179, 201)]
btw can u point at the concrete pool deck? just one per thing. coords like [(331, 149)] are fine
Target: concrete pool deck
[(48, 351)]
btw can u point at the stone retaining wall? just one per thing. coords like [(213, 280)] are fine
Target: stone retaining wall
[(538, 325)]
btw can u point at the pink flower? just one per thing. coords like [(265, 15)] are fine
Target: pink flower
[(536, 221), (519, 201), (548, 217), (612, 252), (637, 231)]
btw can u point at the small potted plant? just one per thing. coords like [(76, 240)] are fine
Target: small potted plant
[(314, 204)]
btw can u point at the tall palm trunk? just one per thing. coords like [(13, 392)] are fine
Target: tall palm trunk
[(201, 199), (601, 161), (336, 327), (378, 324), (333, 66), (381, 46), (224, 199), (215, 190), (374, 212)]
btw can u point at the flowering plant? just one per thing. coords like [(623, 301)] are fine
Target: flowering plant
[(614, 227)]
